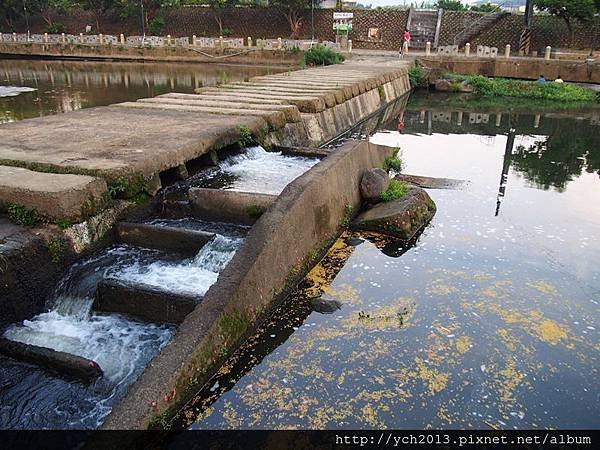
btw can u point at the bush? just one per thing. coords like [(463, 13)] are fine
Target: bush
[(393, 162), (156, 26), (503, 87), (319, 55), (396, 189), (56, 28), (227, 32), (22, 215), (417, 76)]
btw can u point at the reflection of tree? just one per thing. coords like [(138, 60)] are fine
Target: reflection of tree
[(569, 148)]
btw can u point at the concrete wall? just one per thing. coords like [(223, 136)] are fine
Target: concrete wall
[(304, 219), (527, 68)]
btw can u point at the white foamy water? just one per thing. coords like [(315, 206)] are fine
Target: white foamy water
[(192, 276), (12, 91), (257, 170)]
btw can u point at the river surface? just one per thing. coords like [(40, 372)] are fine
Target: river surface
[(38, 88), (489, 320)]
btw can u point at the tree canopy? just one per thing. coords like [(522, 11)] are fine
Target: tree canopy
[(569, 10), (451, 5)]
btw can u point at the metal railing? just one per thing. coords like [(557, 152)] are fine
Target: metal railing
[(475, 26)]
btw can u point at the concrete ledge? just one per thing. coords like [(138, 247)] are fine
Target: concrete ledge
[(55, 196), (308, 152), (229, 206), (63, 363), (144, 302), (178, 240), (305, 217)]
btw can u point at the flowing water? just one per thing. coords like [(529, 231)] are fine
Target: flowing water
[(31, 398), (255, 170), (39, 88), (488, 320)]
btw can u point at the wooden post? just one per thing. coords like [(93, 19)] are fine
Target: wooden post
[(467, 49), (507, 51)]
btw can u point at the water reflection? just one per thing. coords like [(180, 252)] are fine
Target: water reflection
[(490, 320), (69, 86)]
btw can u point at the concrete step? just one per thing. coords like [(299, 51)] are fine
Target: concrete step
[(54, 196), (72, 366), (173, 240), (275, 119), (330, 98), (291, 112), (306, 103), (228, 205), (224, 98), (144, 302)]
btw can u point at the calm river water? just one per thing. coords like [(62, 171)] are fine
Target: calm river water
[(38, 88), (490, 320)]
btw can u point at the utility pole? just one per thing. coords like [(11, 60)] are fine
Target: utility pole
[(143, 21), (26, 19), (312, 20), (525, 39)]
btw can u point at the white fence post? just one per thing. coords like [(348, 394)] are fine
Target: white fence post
[(507, 51), (249, 41), (548, 53), (122, 39), (14, 37), (428, 48), (81, 37), (279, 44), (349, 45), (194, 40), (62, 38), (467, 49), (46, 38)]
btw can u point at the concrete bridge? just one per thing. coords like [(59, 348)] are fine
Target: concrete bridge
[(65, 165)]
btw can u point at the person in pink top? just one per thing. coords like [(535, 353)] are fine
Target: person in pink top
[(405, 40)]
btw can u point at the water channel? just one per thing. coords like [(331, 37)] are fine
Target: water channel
[(488, 320)]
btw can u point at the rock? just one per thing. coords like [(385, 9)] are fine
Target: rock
[(401, 218), (373, 183), (325, 306), (430, 182), (443, 85), (465, 87), (64, 363)]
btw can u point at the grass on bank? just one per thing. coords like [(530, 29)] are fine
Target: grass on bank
[(504, 87)]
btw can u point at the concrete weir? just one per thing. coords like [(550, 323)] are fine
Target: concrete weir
[(301, 222), (128, 145)]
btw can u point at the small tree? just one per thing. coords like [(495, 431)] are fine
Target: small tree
[(48, 8), (451, 5), (292, 10), (11, 11), (98, 8), (218, 6), (485, 8), (569, 11)]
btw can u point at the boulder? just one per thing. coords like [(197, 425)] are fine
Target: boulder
[(401, 218), (443, 85), (465, 87), (325, 305), (373, 183)]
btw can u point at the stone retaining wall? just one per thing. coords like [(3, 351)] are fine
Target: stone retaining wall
[(303, 220), (270, 22)]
